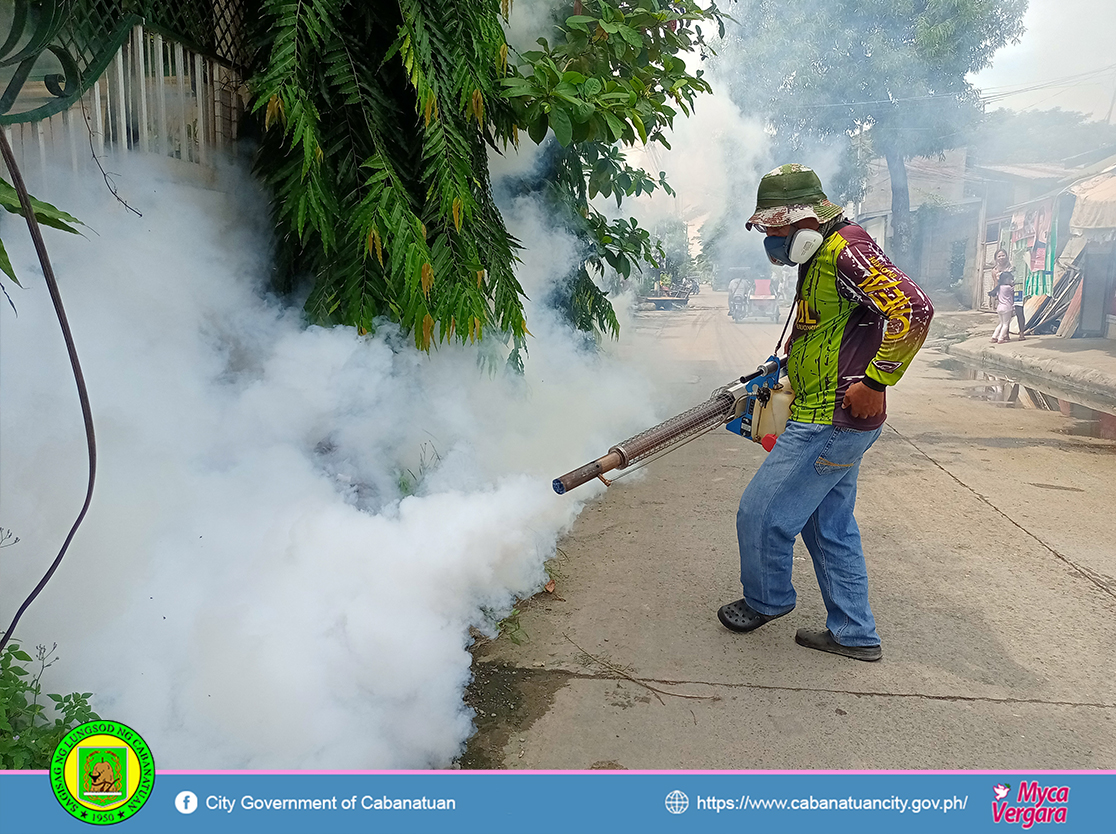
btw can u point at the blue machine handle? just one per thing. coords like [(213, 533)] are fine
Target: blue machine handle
[(766, 375)]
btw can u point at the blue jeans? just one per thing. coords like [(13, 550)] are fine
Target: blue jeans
[(807, 485)]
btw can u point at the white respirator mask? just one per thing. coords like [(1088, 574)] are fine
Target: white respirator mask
[(794, 249)]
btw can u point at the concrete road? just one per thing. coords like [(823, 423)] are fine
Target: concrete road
[(991, 548)]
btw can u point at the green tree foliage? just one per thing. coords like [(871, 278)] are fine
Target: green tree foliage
[(375, 118), (675, 262), (377, 121), (614, 77), (895, 69), (45, 213), (1005, 136)]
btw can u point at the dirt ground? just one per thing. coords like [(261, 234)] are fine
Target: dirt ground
[(991, 553)]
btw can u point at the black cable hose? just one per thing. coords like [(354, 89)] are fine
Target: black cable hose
[(87, 413)]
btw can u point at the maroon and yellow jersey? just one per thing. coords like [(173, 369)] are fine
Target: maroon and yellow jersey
[(859, 316)]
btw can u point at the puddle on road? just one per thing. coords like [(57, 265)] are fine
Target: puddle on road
[(1004, 392)]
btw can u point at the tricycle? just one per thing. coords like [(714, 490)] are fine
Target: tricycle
[(668, 297), (762, 301)]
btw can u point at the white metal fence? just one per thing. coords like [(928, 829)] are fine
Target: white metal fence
[(155, 96)]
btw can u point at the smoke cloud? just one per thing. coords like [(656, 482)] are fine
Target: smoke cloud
[(530, 20), (717, 156), (294, 528), (712, 151)]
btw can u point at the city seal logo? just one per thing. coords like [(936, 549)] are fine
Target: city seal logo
[(102, 772)]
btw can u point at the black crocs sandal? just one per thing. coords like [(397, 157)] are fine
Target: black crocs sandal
[(741, 617), (823, 641)]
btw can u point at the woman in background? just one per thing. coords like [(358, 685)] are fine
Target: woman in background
[(1005, 305), (1003, 264)]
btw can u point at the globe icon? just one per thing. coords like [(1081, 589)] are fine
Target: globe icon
[(677, 802)]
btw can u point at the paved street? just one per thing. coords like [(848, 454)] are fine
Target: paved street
[(991, 553)]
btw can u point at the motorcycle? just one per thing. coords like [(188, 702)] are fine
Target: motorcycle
[(738, 307)]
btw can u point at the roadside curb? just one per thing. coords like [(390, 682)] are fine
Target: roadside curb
[(1087, 382)]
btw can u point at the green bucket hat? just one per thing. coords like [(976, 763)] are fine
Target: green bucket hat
[(788, 194)]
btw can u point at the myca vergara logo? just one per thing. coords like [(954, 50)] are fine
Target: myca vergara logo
[(102, 772), (1033, 804)]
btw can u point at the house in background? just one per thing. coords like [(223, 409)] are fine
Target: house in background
[(1093, 227), (1018, 215), (962, 213), (943, 213)]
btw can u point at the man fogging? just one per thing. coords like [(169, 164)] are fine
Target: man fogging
[(858, 323)]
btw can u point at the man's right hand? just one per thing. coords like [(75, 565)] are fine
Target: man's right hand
[(862, 401)]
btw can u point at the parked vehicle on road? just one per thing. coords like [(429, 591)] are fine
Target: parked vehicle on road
[(669, 297), (738, 307), (763, 301)]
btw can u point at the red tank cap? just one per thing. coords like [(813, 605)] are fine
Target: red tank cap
[(768, 442)]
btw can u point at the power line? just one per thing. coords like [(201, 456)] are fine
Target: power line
[(988, 95), (877, 101), (1010, 89)]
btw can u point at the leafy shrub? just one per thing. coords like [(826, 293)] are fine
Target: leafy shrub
[(27, 736)]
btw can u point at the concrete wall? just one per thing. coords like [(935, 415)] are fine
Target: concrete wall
[(929, 180), (937, 233)]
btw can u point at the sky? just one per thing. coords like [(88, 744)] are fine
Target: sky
[(1064, 38)]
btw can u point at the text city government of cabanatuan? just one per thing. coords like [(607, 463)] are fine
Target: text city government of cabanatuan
[(367, 803)]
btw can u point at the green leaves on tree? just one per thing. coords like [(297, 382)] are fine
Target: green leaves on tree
[(891, 74), (45, 213), (377, 120), (614, 77)]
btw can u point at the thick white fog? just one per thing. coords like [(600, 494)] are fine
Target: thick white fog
[(253, 586)]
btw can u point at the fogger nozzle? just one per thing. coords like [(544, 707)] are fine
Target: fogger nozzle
[(587, 473), (716, 411)]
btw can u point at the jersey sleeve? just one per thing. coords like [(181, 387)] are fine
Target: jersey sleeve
[(866, 276)]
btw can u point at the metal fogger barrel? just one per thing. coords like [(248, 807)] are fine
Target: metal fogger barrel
[(721, 407)]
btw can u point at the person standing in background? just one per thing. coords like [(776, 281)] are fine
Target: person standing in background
[(1004, 295), (1003, 265)]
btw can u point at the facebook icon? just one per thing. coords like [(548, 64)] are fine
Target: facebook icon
[(186, 802)]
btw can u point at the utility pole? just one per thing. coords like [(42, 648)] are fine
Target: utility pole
[(1111, 104)]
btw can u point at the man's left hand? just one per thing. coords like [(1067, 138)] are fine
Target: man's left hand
[(863, 401)]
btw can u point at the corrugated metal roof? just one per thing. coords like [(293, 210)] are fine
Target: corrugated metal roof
[(1030, 170), (1096, 203)]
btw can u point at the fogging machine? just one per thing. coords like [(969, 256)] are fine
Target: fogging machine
[(755, 406)]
